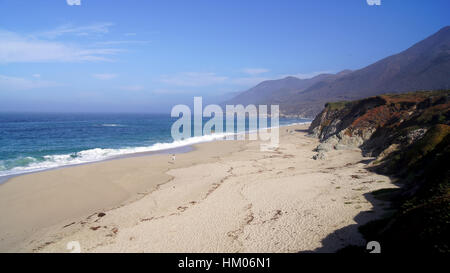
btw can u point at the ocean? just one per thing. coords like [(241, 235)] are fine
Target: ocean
[(38, 141)]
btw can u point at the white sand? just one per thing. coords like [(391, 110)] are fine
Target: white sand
[(226, 196)]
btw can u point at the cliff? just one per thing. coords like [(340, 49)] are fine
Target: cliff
[(408, 136)]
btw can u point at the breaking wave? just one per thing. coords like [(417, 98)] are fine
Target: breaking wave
[(32, 164)]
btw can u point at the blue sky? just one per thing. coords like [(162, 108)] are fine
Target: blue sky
[(145, 56)]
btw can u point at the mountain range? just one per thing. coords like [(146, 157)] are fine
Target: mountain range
[(423, 66)]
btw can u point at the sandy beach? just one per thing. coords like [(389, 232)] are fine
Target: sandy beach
[(224, 196)]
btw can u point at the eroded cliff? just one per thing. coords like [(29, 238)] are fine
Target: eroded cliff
[(408, 136)]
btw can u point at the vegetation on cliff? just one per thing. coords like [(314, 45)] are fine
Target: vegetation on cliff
[(409, 135)]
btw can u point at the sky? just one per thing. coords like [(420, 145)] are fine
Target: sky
[(146, 56)]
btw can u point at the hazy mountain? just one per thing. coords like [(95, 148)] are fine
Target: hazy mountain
[(280, 90), (424, 66)]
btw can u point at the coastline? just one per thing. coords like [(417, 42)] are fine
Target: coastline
[(177, 150), (180, 146), (120, 181), (42, 211)]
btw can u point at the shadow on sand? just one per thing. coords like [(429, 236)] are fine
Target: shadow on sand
[(349, 239)]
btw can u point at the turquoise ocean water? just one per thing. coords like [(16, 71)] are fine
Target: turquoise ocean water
[(33, 142)]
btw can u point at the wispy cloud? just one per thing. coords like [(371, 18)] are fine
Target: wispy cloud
[(193, 79), (19, 48), (124, 42), (104, 76), (73, 2), (255, 71), (8, 83), (97, 28)]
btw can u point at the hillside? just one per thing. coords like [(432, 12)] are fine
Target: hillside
[(409, 137), (424, 66), (280, 91)]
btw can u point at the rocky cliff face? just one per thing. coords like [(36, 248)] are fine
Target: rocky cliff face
[(409, 137), (379, 125)]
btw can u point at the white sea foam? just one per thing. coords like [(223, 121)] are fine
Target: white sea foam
[(99, 154)]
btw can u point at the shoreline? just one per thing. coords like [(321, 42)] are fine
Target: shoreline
[(150, 187), (176, 150), (126, 190)]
